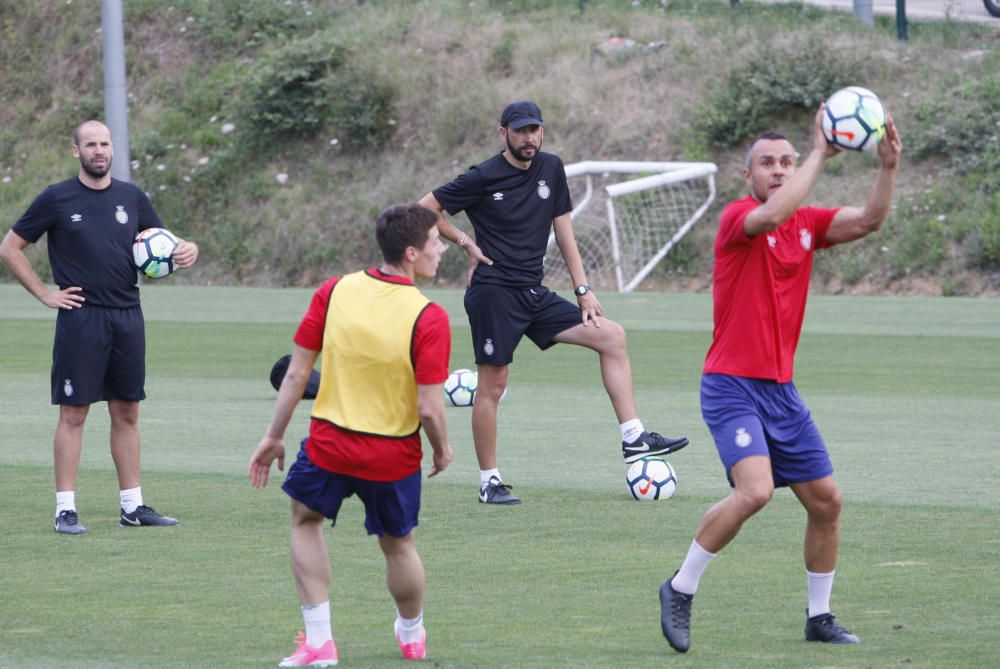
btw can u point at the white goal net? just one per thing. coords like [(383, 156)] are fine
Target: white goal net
[(628, 216)]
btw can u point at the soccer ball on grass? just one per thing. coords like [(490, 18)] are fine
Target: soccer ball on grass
[(460, 388), (854, 119), (651, 478), (153, 252)]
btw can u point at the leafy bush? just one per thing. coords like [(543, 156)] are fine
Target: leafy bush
[(312, 83), (962, 125), (769, 80)]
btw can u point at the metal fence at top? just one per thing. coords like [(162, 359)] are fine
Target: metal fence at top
[(981, 13)]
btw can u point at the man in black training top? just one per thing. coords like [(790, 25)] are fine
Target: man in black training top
[(100, 344), (514, 200)]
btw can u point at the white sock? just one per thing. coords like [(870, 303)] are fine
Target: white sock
[(317, 620), (820, 587), (131, 499), (486, 474), (631, 429), (410, 630), (694, 566), (65, 501)]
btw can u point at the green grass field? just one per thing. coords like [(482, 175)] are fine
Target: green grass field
[(906, 391)]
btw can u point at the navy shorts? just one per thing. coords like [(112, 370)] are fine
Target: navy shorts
[(391, 507), (99, 354), (501, 315), (760, 417)]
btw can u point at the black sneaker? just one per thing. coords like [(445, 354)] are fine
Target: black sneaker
[(651, 443), (497, 492), (675, 616), (825, 627), (67, 522), (145, 515)]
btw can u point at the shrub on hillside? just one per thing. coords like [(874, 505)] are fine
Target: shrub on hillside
[(769, 80), (962, 125), (311, 84)]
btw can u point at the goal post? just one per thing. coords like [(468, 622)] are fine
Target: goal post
[(628, 216)]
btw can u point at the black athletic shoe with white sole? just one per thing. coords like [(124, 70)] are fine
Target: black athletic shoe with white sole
[(650, 444), (497, 492), (675, 617), (67, 522), (825, 627), (145, 516)]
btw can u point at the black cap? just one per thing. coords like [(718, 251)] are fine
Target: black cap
[(521, 113)]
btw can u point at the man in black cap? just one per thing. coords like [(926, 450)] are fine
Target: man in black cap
[(514, 200)]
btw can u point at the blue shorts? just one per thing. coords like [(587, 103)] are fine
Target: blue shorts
[(391, 507), (501, 315), (760, 417), (99, 354)]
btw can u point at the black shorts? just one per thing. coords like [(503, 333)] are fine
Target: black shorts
[(501, 315), (99, 354)]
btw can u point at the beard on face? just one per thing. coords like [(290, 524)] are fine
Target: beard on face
[(96, 172), (517, 154)]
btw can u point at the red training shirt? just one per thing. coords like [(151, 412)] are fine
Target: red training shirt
[(760, 289)]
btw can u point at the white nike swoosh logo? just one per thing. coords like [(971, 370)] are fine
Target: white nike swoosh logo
[(130, 521), (641, 447)]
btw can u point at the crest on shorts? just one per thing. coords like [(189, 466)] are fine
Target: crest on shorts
[(121, 215), (806, 239), (544, 191), (68, 388), (743, 438), (488, 347)]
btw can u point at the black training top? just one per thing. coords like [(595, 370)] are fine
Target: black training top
[(511, 211), (90, 237)]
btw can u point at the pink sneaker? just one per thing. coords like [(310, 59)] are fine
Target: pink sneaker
[(307, 656), (412, 651)]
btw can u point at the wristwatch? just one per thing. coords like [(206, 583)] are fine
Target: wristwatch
[(581, 290)]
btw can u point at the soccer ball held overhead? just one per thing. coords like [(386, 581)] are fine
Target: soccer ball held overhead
[(854, 119)]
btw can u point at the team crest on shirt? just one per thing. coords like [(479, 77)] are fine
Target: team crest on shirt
[(806, 239), (76, 218), (772, 241), (544, 191), (121, 215), (498, 196), (742, 438), (488, 347)]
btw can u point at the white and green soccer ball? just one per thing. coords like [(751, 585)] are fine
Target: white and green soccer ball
[(460, 388), (854, 119), (652, 479), (153, 252)]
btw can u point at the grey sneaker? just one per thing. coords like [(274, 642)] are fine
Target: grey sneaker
[(145, 516), (675, 616), (650, 444), (825, 627), (497, 492), (67, 522)]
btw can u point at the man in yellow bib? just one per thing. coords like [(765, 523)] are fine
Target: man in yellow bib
[(385, 359)]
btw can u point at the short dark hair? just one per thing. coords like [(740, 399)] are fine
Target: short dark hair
[(400, 226), (770, 134)]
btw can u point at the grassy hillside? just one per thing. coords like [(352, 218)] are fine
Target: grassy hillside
[(272, 132)]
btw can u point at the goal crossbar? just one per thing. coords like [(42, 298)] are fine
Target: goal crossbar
[(643, 218)]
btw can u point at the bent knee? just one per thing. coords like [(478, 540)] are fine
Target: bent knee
[(754, 499)]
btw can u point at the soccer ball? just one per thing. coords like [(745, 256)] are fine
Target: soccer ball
[(651, 478), (460, 388), (153, 252), (854, 119)]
